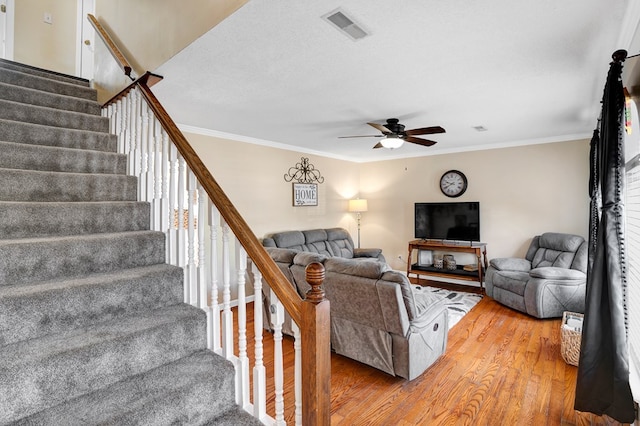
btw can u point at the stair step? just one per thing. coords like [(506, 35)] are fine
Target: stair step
[(28, 69), (54, 159), (40, 373), (92, 325), (29, 260), (32, 311), (37, 134), (18, 111), (28, 219), (33, 185), (191, 391), (26, 95), (46, 84)]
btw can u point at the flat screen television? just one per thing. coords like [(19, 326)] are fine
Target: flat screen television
[(457, 221)]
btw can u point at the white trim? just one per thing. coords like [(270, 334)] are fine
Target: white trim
[(634, 380), (256, 141), (263, 142), (9, 29), (83, 7)]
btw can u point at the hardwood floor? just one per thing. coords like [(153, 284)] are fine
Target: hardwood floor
[(501, 367)]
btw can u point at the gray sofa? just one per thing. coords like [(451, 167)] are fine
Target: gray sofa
[(376, 317), (550, 279), (332, 242)]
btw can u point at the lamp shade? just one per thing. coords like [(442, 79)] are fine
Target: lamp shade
[(358, 205)]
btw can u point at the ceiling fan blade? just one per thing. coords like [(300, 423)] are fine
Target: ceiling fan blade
[(362, 136), (419, 141), (380, 127), (426, 131), (378, 145)]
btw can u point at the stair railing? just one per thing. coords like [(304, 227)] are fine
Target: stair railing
[(208, 237)]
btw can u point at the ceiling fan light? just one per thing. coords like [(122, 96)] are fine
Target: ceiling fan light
[(392, 142)]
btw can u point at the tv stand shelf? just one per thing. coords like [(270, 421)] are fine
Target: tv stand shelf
[(479, 249)]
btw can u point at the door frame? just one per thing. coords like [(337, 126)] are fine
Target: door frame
[(6, 50), (84, 34)]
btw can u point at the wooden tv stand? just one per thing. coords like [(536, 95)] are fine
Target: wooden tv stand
[(479, 249)]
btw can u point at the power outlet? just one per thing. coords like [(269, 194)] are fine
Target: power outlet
[(48, 18)]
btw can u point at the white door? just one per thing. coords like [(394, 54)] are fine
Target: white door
[(7, 11), (85, 40)]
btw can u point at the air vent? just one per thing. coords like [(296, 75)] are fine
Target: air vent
[(346, 25)]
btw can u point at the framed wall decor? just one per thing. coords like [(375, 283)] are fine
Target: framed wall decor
[(305, 194)]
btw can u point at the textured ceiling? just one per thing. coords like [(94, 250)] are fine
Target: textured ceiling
[(274, 72)]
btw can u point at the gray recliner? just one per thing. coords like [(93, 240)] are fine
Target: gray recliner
[(550, 279)]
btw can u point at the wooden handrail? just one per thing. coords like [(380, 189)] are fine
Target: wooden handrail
[(270, 271), (312, 314), (113, 49)]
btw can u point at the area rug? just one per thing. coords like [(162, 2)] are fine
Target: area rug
[(458, 303)]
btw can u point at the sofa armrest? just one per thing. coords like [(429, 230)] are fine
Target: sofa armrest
[(511, 264), (366, 252), (427, 315), (281, 254), (554, 273), (373, 253), (268, 242), (550, 291)]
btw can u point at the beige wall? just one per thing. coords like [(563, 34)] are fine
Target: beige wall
[(522, 192), (252, 176), (50, 46), (149, 32)]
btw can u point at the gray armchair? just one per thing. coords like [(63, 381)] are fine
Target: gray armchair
[(550, 279)]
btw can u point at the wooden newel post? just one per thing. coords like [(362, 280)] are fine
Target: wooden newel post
[(316, 351)]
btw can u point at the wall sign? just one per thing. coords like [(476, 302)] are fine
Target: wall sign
[(305, 194)]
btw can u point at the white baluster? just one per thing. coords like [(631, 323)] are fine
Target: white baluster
[(277, 318), (191, 239), (137, 136), (123, 146), (143, 126), (113, 115), (109, 113), (165, 206), (297, 349), (130, 131), (200, 225), (172, 239), (242, 369), (151, 157), (214, 220), (181, 241), (158, 167), (259, 371), (227, 314)]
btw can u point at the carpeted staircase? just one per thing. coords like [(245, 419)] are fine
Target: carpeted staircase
[(92, 325)]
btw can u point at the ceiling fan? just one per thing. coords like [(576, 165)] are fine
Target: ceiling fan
[(394, 135)]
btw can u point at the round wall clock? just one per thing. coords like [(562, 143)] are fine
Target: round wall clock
[(453, 183)]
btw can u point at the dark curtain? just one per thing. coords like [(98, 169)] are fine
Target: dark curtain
[(603, 371)]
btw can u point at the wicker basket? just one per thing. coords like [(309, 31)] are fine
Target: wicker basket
[(570, 339), (438, 261), (450, 262)]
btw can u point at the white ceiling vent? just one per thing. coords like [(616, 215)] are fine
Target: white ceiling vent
[(345, 24)]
